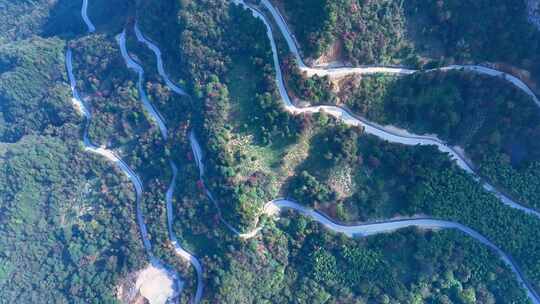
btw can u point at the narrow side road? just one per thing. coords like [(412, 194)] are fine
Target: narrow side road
[(157, 270)]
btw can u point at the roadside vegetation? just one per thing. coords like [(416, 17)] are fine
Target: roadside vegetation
[(360, 32), (68, 217), (298, 261), (416, 33), (164, 13), (349, 176), (24, 19), (491, 119), (61, 208)]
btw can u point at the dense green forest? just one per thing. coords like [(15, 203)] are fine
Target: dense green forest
[(24, 19), (237, 157), (363, 32), (67, 222), (32, 74), (490, 118), (111, 16), (166, 35), (68, 233), (310, 90), (450, 193), (416, 32), (68, 217), (500, 32)]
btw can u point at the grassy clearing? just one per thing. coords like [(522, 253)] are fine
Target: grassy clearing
[(359, 187), (250, 154), (279, 159), (359, 195)]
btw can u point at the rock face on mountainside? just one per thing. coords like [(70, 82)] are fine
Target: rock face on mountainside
[(126, 291)]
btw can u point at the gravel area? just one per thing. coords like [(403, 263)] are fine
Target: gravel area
[(156, 285)]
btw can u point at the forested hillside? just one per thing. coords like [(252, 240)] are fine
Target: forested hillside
[(362, 32), (32, 75), (299, 262), (245, 168), (416, 32), (25, 18), (62, 209), (218, 68), (75, 229), (491, 119)]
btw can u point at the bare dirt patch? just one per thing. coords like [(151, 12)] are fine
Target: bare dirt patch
[(332, 57), (345, 86), (153, 284), (126, 292), (341, 181)]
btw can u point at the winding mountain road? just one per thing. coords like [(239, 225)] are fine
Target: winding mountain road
[(157, 52), (344, 71), (198, 154), (84, 15), (119, 163), (154, 114), (386, 227), (184, 254), (111, 156), (389, 133), (403, 137), (274, 207)]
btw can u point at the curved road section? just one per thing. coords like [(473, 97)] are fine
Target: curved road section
[(388, 133), (372, 229), (184, 254), (198, 153), (274, 207), (161, 70), (84, 15), (121, 39), (117, 161), (174, 241), (343, 71)]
